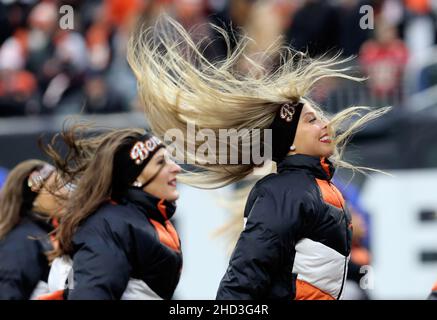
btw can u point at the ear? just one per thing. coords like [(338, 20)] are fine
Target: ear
[(33, 185)]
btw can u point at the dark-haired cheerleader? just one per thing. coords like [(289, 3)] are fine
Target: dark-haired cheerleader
[(116, 240), (29, 201)]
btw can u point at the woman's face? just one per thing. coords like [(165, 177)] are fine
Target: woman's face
[(163, 186), (312, 135), (48, 199)]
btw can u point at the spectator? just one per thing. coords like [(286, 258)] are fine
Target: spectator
[(99, 98), (383, 60), (352, 35), (316, 28), (18, 90)]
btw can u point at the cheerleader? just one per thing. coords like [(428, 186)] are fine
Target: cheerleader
[(29, 201), (297, 238), (116, 240)]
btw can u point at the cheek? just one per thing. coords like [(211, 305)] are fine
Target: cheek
[(159, 186), (315, 134), (310, 136), (169, 192), (48, 202), (44, 199), (307, 130), (162, 178), (144, 175)]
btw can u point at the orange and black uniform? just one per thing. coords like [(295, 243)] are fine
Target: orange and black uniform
[(297, 239), (127, 246), (24, 266)]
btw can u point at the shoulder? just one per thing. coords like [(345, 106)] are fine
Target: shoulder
[(286, 187), (282, 202), (109, 216), (25, 239), (117, 223)]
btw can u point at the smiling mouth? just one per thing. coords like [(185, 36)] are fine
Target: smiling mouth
[(325, 139), (172, 182)]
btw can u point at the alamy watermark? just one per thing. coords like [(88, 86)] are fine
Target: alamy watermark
[(66, 21), (367, 21), (367, 281), (220, 146)]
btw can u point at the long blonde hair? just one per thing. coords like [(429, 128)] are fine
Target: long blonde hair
[(178, 85)]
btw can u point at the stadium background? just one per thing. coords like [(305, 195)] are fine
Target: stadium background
[(47, 73)]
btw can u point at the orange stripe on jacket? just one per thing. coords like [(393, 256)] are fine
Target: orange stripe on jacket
[(325, 166), (162, 208), (167, 235), (306, 291), (57, 295), (434, 288), (330, 193)]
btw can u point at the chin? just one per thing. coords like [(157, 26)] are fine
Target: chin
[(173, 196), (328, 154)]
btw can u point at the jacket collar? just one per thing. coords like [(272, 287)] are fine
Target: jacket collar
[(153, 207), (321, 168)]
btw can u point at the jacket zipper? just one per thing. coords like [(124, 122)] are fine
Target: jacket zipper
[(344, 276)]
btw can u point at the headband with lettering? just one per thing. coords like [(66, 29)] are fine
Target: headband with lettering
[(130, 160), (284, 128)]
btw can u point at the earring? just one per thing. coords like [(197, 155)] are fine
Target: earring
[(137, 184), (292, 148)]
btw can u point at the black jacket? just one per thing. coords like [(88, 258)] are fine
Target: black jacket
[(129, 241), (23, 262), (297, 238)]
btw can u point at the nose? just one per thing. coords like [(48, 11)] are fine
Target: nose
[(324, 123), (175, 167)]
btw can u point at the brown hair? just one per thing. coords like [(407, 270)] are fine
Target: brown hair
[(12, 200), (89, 164)]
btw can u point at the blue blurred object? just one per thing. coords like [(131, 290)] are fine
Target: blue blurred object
[(3, 175), (351, 194)]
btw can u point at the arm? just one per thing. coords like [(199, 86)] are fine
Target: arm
[(261, 251), (16, 283), (21, 268), (101, 268)]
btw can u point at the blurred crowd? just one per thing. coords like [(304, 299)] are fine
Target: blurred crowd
[(45, 69)]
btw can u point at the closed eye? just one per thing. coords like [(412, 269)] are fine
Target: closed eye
[(160, 160)]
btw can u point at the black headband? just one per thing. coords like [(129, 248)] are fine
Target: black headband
[(284, 128), (131, 159)]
